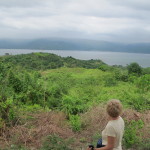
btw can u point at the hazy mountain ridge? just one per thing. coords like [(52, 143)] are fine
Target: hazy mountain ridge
[(74, 44)]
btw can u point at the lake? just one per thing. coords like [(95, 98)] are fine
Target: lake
[(111, 58)]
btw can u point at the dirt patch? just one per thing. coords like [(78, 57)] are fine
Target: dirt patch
[(33, 131)]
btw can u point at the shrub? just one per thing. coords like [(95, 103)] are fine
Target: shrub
[(135, 69), (54, 142), (8, 113), (15, 82), (104, 67), (132, 78), (16, 147), (131, 133), (73, 105), (143, 145), (75, 122), (110, 81), (146, 70), (141, 103), (144, 83), (121, 75)]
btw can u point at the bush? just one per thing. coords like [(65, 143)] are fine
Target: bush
[(73, 105), (15, 82), (16, 147), (110, 81), (131, 137), (121, 75), (135, 69), (146, 70), (144, 83), (104, 67), (75, 122), (8, 113), (143, 145), (54, 142), (139, 103)]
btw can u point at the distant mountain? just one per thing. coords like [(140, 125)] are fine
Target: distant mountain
[(74, 44)]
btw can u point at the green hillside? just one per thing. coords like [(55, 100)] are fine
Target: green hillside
[(43, 61), (50, 102)]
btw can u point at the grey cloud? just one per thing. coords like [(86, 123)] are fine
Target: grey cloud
[(111, 20), (133, 4), (19, 3)]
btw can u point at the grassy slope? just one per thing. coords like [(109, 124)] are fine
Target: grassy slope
[(91, 88)]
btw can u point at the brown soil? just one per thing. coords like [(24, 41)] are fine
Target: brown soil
[(32, 132)]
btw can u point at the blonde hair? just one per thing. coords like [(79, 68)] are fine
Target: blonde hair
[(114, 108)]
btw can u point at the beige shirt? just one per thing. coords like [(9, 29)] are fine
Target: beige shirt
[(114, 128)]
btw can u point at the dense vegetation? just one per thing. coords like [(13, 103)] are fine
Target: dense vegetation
[(47, 82), (43, 61)]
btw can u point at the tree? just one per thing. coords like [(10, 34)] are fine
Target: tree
[(134, 68), (15, 82)]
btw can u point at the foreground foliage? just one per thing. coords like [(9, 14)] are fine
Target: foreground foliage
[(54, 142), (68, 86)]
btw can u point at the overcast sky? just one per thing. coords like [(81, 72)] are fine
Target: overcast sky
[(108, 20)]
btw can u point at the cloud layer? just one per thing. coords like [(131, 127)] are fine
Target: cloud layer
[(119, 21)]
